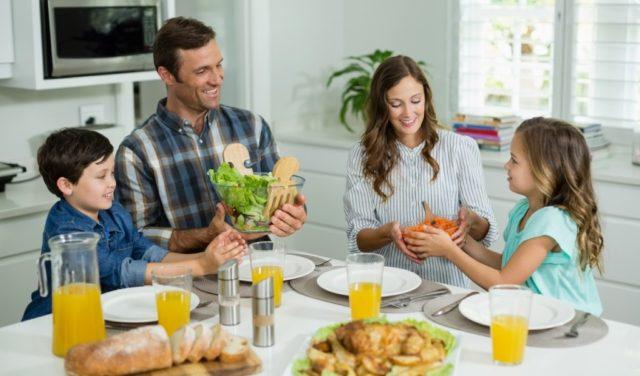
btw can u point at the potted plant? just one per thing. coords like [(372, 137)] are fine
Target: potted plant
[(356, 90)]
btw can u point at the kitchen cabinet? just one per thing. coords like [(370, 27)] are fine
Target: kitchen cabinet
[(21, 240), (6, 40), (323, 159), (28, 71), (23, 211)]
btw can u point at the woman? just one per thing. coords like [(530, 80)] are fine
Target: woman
[(404, 158)]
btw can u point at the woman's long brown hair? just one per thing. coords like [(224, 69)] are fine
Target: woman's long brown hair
[(380, 150), (561, 166)]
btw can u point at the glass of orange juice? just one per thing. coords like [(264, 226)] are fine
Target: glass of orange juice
[(510, 309), (364, 276), (75, 285), (267, 260), (172, 285)]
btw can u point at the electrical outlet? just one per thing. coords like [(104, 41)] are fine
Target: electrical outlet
[(91, 114)]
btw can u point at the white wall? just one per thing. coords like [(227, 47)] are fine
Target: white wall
[(26, 116), (224, 17), (310, 39)]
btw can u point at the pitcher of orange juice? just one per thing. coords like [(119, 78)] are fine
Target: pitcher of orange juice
[(75, 285)]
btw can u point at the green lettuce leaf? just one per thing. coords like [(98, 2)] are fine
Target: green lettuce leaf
[(246, 195)]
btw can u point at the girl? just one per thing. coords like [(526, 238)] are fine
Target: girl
[(553, 237), (405, 158)]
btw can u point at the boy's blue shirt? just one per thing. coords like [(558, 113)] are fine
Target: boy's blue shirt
[(123, 252)]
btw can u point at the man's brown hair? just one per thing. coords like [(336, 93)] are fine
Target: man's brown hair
[(179, 33), (67, 152)]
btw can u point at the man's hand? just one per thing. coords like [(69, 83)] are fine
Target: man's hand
[(217, 224), (290, 218)]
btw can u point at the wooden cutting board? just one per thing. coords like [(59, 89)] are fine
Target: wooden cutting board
[(250, 366)]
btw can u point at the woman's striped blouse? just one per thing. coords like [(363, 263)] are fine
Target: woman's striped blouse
[(460, 182)]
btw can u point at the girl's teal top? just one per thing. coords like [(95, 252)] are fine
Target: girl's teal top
[(559, 276)]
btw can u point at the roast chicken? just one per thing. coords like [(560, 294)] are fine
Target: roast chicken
[(359, 348)]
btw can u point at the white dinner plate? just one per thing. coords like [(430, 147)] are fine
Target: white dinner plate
[(294, 267), (395, 281), (546, 312), (134, 305)]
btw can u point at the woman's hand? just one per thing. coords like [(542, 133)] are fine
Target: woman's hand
[(433, 242), (393, 231), (466, 220)]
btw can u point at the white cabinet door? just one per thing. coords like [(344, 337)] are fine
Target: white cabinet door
[(6, 39), (18, 279)]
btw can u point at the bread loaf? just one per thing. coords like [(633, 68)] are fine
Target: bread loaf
[(218, 341), (201, 344), (139, 350), (181, 343), (235, 350)]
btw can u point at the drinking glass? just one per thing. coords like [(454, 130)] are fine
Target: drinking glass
[(172, 285), (364, 276), (267, 260), (510, 309), (75, 285)]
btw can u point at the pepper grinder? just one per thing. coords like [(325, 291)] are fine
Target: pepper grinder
[(229, 293), (263, 319)]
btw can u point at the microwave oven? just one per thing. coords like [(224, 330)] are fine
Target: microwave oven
[(86, 37)]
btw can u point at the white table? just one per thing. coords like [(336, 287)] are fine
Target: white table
[(25, 348)]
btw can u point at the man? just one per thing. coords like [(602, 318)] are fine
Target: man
[(161, 166)]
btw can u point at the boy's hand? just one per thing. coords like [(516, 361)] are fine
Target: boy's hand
[(433, 242), (228, 245)]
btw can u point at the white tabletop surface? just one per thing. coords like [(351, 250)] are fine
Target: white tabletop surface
[(25, 348)]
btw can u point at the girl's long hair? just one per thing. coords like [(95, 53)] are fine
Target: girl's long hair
[(378, 140), (561, 166)]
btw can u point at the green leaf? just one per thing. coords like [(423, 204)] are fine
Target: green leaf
[(349, 69)]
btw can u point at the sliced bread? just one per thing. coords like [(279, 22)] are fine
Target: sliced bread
[(218, 341), (235, 350), (181, 343), (201, 343)]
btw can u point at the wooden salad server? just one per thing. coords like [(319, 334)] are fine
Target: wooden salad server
[(236, 154), (281, 192), (429, 218)]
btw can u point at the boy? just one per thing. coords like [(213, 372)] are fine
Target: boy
[(77, 166)]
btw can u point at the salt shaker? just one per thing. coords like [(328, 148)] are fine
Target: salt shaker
[(229, 293), (263, 318)]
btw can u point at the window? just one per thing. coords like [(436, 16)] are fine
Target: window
[(578, 60)]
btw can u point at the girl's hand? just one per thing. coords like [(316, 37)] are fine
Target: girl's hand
[(466, 220), (226, 246), (433, 242), (395, 233)]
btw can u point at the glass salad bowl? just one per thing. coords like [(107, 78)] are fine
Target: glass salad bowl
[(250, 200)]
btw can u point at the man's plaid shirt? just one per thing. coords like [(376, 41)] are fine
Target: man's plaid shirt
[(161, 167)]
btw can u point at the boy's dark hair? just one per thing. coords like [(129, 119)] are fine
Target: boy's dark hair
[(67, 152), (179, 33)]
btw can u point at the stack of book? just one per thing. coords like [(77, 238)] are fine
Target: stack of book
[(599, 147), (490, 132)]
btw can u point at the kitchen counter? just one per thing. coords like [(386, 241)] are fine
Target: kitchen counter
[(617, 168), (25, 198)]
